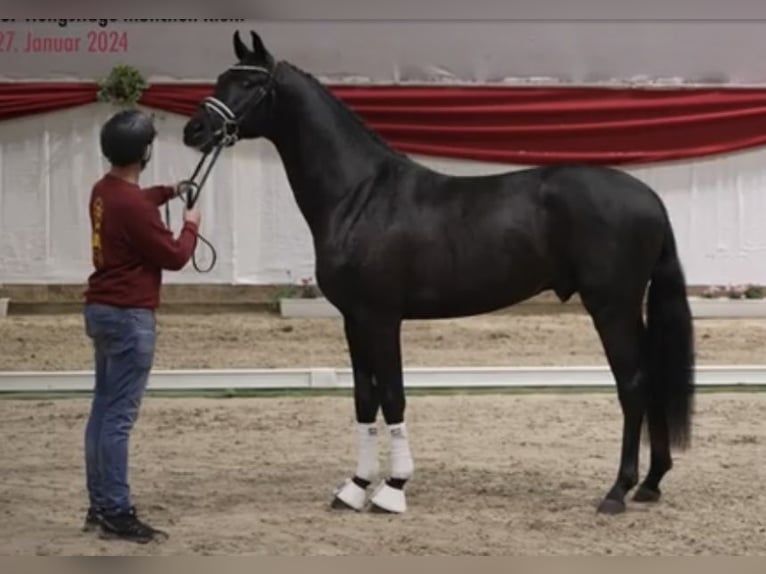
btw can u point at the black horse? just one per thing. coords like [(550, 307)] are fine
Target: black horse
[(395, 240)]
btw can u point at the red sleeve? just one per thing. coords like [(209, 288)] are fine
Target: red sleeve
[(159, 194), (155, 241)]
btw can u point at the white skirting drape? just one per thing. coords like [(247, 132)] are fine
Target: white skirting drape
[(49, 162)]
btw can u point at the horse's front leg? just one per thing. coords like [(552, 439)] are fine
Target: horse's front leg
[(353, 492), (385, 340)]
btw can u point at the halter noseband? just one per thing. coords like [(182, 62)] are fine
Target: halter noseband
[(230, 126)]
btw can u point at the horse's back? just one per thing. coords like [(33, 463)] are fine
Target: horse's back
[(600, 199), (597, 179), (440, 246), (606, 226)]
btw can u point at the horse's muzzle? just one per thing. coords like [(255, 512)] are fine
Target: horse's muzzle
[(197, 134)]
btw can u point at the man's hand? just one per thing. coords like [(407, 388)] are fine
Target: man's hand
[(181, 188), (192, 215)]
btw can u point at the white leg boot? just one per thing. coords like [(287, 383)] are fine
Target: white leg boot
[(389, 495), (350, 494)]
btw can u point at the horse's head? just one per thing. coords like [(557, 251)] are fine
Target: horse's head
[(239, 106)]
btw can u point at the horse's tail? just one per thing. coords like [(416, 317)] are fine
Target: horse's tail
[(670, 345)]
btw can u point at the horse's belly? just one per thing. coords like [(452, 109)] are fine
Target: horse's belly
[(464, 297)]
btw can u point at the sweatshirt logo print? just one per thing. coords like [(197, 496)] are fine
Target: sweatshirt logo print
[(97, 216)]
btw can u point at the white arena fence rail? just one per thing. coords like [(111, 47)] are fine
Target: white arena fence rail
[(330, 378)]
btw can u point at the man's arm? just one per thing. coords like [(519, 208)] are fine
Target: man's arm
[(160, 194), (155, 242)]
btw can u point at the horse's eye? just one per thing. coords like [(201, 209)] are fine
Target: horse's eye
[(248, 84)]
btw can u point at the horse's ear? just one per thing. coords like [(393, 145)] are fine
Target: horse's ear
[(240, 50), (258, 48)]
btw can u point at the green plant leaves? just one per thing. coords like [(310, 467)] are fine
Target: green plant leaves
[(123, 86)]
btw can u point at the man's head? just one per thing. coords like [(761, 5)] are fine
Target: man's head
[(127, 137)]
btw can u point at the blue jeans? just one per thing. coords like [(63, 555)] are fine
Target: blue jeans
[(123, 343)]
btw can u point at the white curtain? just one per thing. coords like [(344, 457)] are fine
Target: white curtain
[(49, 162)]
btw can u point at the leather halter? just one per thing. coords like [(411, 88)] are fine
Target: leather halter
[(228, 132)]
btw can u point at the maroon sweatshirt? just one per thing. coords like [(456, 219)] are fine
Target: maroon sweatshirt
[(131, 245)]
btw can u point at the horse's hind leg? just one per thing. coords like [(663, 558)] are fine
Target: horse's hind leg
[(352, 493), (661, 460), (621, 330)]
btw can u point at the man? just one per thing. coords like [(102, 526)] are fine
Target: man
[(130, 248)]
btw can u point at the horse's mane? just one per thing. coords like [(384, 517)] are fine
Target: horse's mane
[(348, 113)]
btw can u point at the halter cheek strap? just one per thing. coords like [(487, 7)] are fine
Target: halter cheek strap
[(230, 123)]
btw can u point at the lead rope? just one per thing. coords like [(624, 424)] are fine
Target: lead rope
[(192, 192), (194, 253)]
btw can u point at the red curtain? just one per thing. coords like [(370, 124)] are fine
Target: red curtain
[(176, 98), (523, 125), (546, 125), (21, 99)]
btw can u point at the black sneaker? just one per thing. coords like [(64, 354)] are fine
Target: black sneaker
[(92, 520), (128, 527)]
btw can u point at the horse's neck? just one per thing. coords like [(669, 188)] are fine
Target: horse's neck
[(325, 153)]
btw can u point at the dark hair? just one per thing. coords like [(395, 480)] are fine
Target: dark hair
[(126, 137)]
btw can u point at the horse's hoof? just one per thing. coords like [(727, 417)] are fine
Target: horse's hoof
[(388, 500), (611, 507), (645, 494), (338, 504), (349, 496), (375, 509)]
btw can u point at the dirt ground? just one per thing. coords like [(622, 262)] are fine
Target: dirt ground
[(263, 340), (497, 475)]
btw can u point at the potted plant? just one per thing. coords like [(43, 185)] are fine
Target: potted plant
[(730, 301), (304, 299)]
